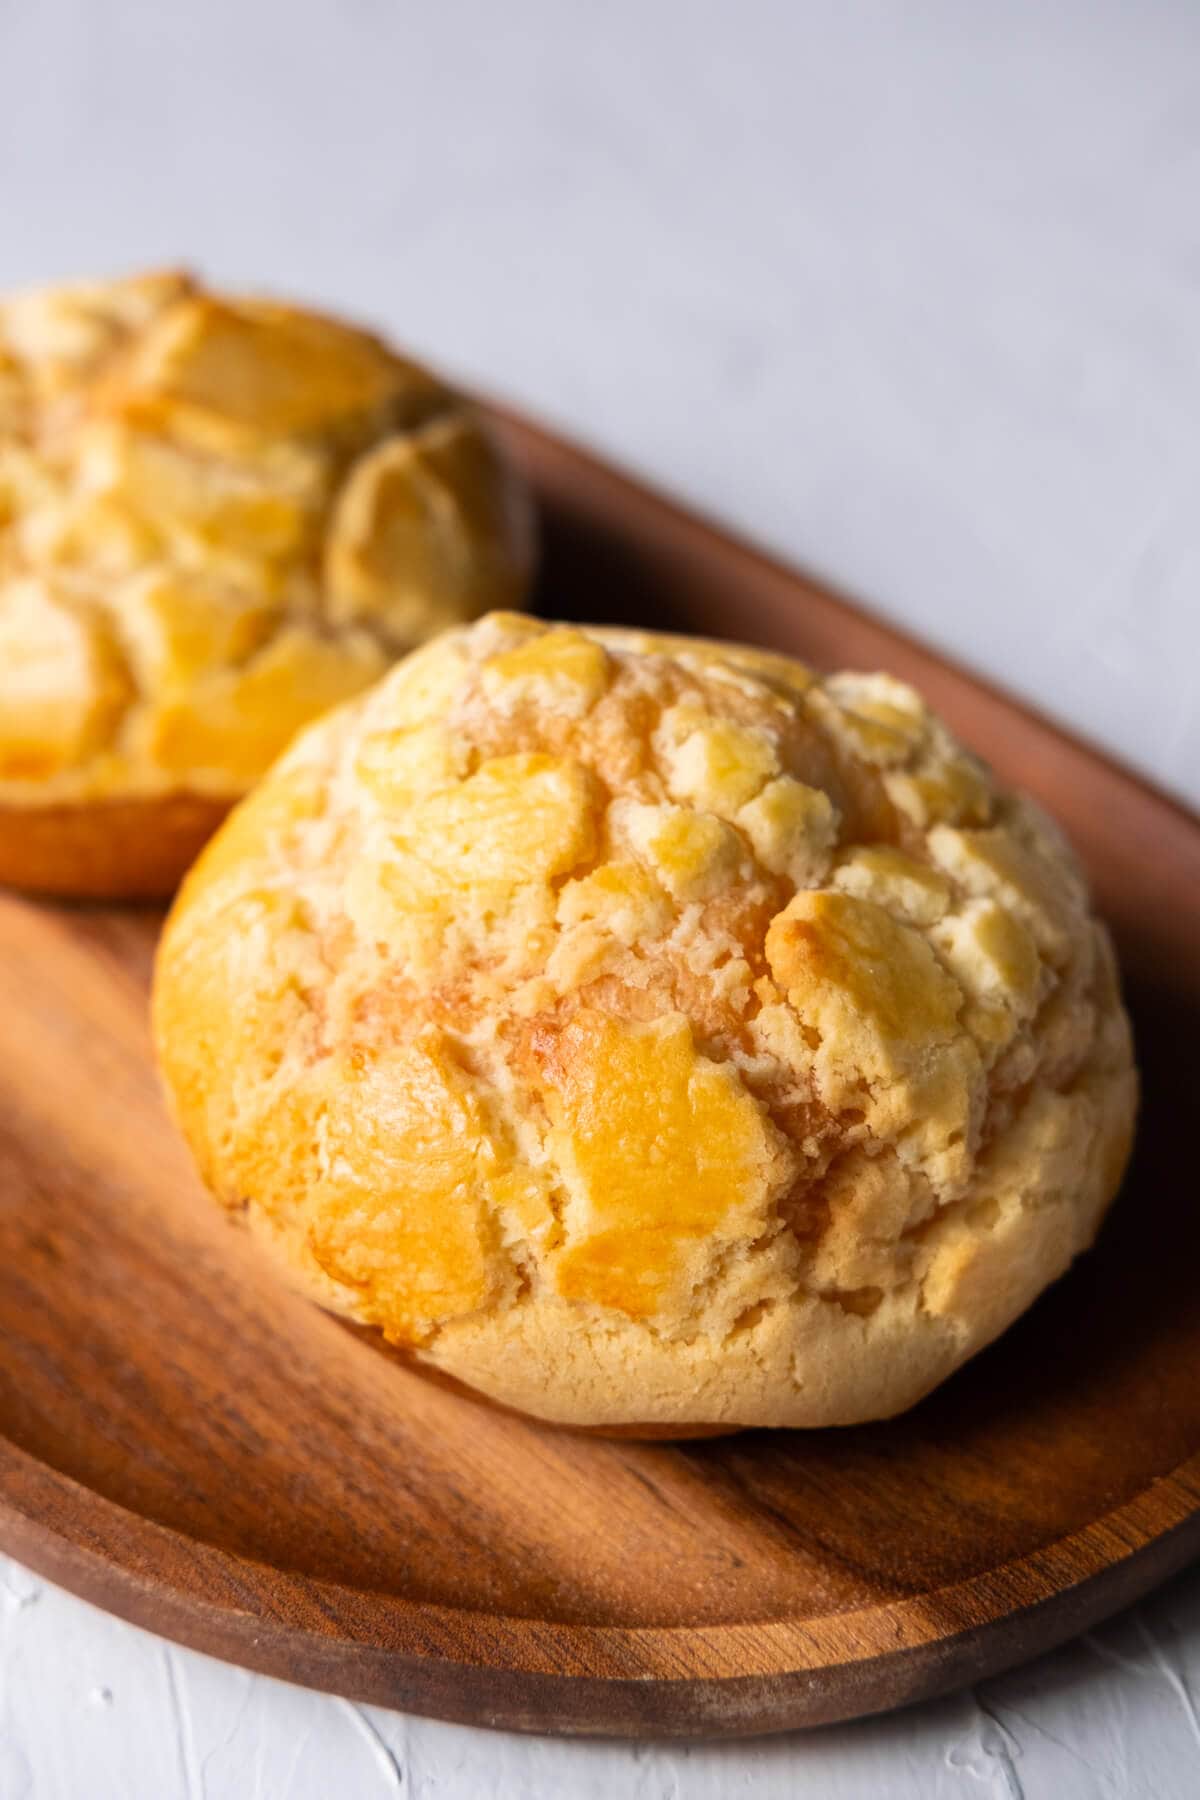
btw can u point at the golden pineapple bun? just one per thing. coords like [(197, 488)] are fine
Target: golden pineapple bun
[(218, 517), (649, 1033)]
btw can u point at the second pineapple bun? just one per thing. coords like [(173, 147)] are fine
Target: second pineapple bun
[(218, 517)]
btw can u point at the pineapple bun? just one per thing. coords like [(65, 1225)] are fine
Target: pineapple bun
[(649, 1033), (218, 517)]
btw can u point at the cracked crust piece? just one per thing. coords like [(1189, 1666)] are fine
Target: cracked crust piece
[(218, 517), (644, 1031)]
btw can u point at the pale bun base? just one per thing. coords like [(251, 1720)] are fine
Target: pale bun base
[(414, 1363)]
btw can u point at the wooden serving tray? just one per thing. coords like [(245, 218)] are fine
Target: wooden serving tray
[(189, 1445)]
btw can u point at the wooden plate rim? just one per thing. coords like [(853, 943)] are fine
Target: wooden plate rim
[(1179, 1489), (622, 1694)]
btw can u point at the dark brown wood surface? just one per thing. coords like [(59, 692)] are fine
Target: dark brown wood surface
[(189, 1445)]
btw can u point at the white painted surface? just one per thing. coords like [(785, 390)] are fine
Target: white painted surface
[(909, 291)]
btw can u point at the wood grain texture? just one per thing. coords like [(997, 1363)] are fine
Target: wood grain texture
[(186, 1443)]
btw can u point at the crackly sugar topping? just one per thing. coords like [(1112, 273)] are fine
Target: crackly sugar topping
[(644, 1029), (217, 518)]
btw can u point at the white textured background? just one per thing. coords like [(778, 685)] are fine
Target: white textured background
[(911, 292)]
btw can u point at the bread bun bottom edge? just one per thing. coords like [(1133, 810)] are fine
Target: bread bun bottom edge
[(121, 849), (666, 1433)]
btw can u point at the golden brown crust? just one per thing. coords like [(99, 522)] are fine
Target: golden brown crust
[(219, 517), (650, 1032), (108, 849)]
